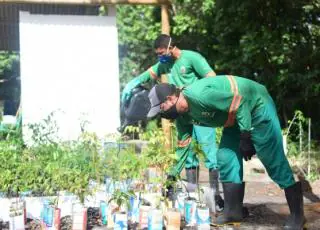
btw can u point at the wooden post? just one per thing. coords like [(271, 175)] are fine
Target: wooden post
[(165, 29), (165, 23)]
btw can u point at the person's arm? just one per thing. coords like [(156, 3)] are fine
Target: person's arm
[(151, 73), (184, 129), (201, 66)]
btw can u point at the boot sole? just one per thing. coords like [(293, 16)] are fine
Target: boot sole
[(233, 224)]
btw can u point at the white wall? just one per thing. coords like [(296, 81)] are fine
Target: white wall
[(70, 64)]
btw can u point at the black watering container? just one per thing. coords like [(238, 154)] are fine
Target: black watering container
[(136, 109)]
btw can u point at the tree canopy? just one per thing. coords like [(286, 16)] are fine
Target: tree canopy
[(273, 42)]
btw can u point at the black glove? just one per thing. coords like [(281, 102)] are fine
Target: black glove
[(169, 187), (246, 146)]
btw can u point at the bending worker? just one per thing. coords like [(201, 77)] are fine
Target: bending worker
[(184, 67), (249, 116)]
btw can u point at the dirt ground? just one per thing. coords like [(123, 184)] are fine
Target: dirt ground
[(266, 201)]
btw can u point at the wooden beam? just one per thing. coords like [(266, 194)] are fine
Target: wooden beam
[(165, 20), (91, 2), (165, 29)]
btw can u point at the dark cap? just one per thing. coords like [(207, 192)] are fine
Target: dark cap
[(158, 95)]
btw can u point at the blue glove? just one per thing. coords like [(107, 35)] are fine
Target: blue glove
[(127, 91)]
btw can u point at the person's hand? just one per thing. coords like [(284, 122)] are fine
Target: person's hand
[(127, 91), (126, 94), (246, 146)]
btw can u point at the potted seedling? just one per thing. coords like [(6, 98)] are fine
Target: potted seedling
[(161, 158), (155, 215), (196, 211), (122, 201), (202, 216), (125, 171)]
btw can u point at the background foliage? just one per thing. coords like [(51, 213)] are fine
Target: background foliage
[(273, 42)]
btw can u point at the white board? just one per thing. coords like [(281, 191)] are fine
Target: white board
[(70, 66)]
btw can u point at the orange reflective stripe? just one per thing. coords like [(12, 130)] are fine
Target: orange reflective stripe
[(232, 86), (153, 74), (184, 143), (233, 110), (231, 83), (235, 102)]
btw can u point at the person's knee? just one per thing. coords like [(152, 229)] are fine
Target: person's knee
[(229, 166)]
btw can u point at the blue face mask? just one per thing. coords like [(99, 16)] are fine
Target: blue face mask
[(166, 58)]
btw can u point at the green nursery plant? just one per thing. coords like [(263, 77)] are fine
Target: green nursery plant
[(49, 165), (305, 161), (121, 199), (160, 158)]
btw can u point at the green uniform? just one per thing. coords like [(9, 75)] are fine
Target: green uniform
[(184, 71), (238, 104)]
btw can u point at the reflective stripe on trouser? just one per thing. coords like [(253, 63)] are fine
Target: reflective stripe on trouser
[(206, 138), (267, 139)]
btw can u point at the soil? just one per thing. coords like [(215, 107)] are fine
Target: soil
[(266, 202)]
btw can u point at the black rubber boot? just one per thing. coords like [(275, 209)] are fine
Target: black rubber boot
[(192, 175), (296, 220), (245, 211), (214, 184), (233, 202)]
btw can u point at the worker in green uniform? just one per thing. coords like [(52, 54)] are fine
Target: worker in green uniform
[(251, 126), (183, 68)]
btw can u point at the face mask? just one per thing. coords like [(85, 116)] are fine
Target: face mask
[(166, 58), (171, 113)]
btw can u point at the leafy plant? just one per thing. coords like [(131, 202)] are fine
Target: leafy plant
[(50, 165), (124, 164), (121, 199), (158, 155), (298, 152)]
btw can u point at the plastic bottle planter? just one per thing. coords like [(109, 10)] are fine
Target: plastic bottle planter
[(79, 217), (112, 185), (111, 209), (203, 217), (104, 212), (155, 220), (172, 219), (143, 218), (44, 213), (17, 215), (190, 207), (153, 174), (57, 219), (50, 216), (208, 197), (179, 204), (120, 221), (24, 212), (134, 210)]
